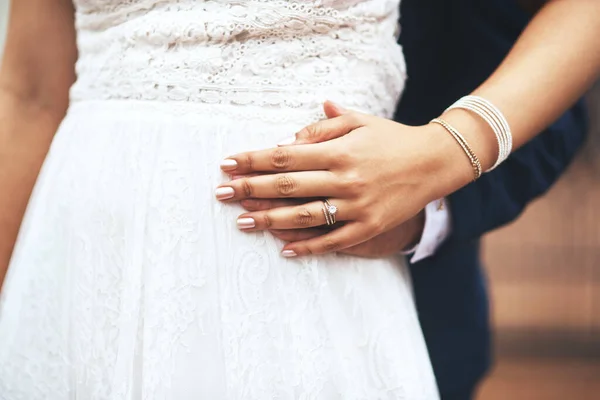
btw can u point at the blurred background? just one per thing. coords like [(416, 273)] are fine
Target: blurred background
[(544, 273)]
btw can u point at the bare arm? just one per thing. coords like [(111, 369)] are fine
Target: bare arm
[(36, 73), (552, 64), (387, 172)]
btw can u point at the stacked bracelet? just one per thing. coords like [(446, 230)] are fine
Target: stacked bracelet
[(495, 119), (464, 145)]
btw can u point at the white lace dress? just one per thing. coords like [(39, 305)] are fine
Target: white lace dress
[(130, 281)]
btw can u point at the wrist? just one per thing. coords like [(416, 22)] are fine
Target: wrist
[(451, 169), (478, 134)]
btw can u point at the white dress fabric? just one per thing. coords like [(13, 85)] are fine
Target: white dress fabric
[(130, 281)]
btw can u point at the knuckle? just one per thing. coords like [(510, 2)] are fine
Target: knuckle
[(281, 159), (249, 161), (353, 183), (304, 217), (285, 185), (247, 188), (363, 208), (266, 220), (341, 158)]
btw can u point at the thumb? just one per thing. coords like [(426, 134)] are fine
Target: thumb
[(339, 123), (333, 110)]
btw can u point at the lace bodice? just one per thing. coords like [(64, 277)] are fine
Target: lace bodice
[(266, 53)]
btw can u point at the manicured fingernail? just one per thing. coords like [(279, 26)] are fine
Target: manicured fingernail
[(289, 253), (228, 164), (246, 223), (287, 141), (224, 193)]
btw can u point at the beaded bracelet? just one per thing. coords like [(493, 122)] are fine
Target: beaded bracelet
[(494, 118), (463, 144)]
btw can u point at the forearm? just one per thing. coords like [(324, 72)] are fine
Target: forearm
[(552, 64), (26, 130), (37, 71), (500, 196)]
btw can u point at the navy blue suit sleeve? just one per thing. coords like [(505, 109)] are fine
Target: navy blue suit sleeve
[(498, 197)]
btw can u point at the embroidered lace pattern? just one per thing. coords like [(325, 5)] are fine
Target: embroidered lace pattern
[(271, 54)]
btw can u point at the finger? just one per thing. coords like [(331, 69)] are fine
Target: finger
[(348, 235), (272, 186), (289, 158), (329, 129), (267, 204), (236, 177), (294, 235), (333, 110), (304, 216)]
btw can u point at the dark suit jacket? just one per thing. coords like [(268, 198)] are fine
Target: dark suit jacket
[(452, 46)]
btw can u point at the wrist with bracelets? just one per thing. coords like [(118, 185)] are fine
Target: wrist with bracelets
[(493, 117)]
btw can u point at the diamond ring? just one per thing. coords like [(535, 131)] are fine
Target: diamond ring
[(329, 211)]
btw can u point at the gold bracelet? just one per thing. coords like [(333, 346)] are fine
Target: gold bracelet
[(477, 170)]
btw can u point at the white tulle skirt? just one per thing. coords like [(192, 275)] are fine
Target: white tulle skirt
[(130, 281)]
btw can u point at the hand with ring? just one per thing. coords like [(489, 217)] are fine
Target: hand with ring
[(377, 174)]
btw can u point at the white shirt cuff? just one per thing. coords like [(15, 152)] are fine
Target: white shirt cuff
[(436, 230)]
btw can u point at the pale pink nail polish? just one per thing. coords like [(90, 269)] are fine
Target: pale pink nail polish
[(289, 253), (224, 193), (246, 223), (228, 164)]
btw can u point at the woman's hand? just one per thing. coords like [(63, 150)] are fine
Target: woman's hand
[(404, 236), (378, 173)]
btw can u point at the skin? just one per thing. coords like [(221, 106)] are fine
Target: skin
[(380, 173), (37, 71), (403, 236), (341, 169)]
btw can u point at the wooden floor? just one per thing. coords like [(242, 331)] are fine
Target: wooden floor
[(543, 379)]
